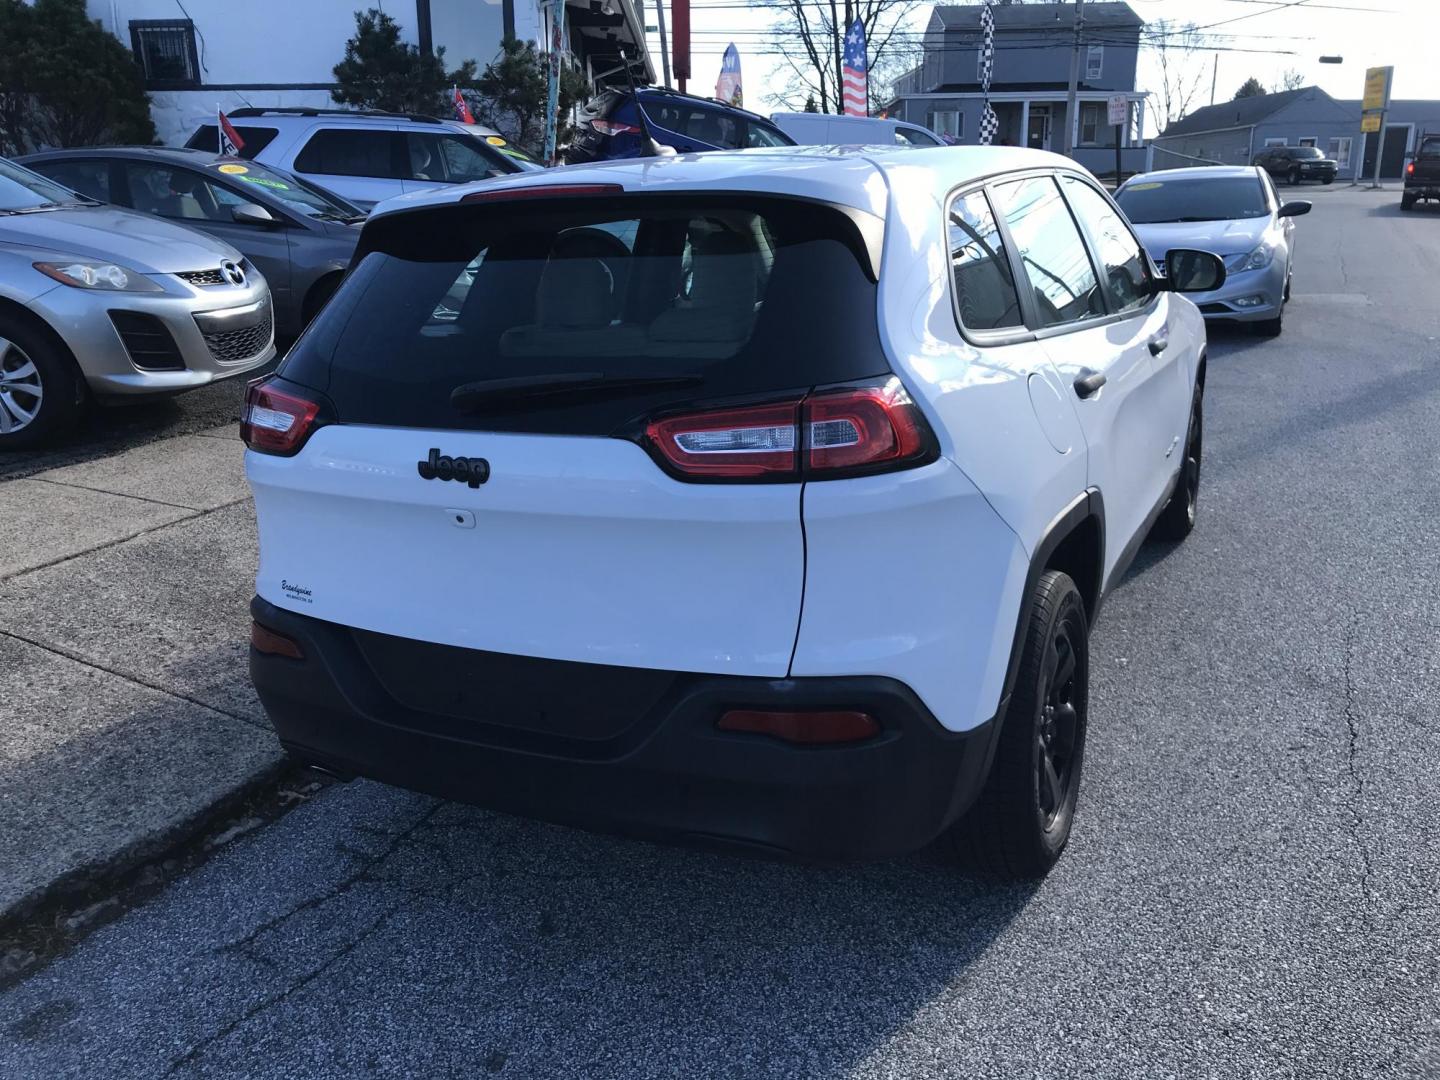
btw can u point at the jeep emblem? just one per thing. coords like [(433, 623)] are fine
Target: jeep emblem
[(471, 470)]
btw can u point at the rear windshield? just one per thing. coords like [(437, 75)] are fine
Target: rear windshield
[(1221, 198), (207, 137), (1305, 152), (1429, 147), (667, 299)]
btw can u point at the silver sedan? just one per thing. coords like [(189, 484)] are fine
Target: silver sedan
[(101, 303), (1234, 212)]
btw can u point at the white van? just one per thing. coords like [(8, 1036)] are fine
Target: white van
[(825, 129)]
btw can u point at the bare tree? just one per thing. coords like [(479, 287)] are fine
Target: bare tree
[(810, 38), (1290, 79), (1177, 48)]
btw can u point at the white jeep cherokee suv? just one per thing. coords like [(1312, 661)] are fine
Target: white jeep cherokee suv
[(759, 499)]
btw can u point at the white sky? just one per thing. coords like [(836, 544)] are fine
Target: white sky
[(1405, 33)]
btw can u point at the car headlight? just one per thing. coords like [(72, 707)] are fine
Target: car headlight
[(91, 274), (1254, 260)]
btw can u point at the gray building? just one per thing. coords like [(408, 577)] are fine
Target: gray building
[(1029, 83), (1233, 132)]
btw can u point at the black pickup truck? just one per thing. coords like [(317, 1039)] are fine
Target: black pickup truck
[(1422, 174)]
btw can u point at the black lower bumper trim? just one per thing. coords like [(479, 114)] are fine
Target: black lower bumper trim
[(669, 776)]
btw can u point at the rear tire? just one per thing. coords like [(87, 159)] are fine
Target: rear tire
[(1328, 181), (1021, 821), (1177, 520), (1407, 202), (40, 389)]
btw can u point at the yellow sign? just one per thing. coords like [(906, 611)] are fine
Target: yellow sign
[(234, 170), (1377, 88), (1370, 122), (494, 140)]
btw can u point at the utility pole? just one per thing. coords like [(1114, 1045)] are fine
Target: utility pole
[(664, 47), (1214, 74), (1070, 100)]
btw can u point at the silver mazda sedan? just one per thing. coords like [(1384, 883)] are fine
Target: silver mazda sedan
[(99, 303)]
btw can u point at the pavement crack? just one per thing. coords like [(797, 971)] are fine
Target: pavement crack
[(1352, 763), (299, 984), (362, 873), (190, 515), (85, 661), (242, 946)]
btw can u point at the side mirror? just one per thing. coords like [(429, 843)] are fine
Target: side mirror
[(252, 214), (1295, 208), (1193, 271)]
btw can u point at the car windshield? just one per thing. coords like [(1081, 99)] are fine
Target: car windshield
[(298, 196), (22, 191), (1220, 198), (1305, 152)]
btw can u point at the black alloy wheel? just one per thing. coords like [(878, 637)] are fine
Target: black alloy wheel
[(1021, 820)]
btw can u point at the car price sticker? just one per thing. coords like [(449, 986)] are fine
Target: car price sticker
[(234, 170)]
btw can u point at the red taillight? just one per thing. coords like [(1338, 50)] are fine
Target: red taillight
[(864, 427), (838, 432), (1410, 169), (611, 127), (807, 728), (730, 444), (276, 422), (541, 191), (267, 641)]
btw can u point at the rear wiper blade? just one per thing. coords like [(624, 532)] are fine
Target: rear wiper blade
[(529, 388)]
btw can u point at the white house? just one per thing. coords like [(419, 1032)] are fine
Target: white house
[(201, 54)]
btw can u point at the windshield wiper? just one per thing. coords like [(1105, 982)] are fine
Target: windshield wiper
[(538, 388)]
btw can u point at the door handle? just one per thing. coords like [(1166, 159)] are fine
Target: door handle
[(1088, 382), (1157, 345)]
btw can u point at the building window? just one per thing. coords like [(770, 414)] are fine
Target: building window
[(1309, 140), (947, 123), (1340, 150), (1089, 124), (165, 51), (1275, 142), (1094, 61)]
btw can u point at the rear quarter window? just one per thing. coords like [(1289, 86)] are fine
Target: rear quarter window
[(737, 296), (207, 137)]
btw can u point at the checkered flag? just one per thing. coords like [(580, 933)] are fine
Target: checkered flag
[(989, 122), (989, 125)]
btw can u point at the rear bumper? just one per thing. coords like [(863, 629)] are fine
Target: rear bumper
[(669, 775)]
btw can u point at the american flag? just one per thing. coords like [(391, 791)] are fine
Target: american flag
[(727, 86), (856, 96)]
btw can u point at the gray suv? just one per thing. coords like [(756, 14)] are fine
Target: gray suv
[(365, 157), (99, 302), (300, 237)]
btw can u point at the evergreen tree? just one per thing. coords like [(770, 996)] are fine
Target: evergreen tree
[(382, 72), (1251, 87)]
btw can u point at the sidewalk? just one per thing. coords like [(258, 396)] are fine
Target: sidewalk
[(126, 712)]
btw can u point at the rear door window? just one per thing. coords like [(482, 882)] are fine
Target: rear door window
[(720, 295), (1050, 250), (351, 152), (758, 134)]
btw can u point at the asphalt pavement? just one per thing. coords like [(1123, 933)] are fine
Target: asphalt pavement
[(1251, 889)]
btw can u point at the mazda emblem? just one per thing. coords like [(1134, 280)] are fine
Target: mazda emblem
[(234, 273)]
